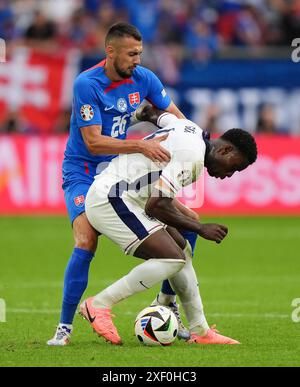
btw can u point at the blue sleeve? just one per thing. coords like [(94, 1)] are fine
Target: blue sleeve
[(156, 93), (86, 103)]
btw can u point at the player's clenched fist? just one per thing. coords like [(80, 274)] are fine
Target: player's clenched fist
[(213, 232)]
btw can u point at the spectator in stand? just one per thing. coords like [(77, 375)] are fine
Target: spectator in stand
[(75, 32), (7, 28), (212, 119), (144, 15), (228, 14), (289, 19), (239, 24), (105, 16), (168, 44), (41, 34), (248, 31), (266, 122), (201, 40)]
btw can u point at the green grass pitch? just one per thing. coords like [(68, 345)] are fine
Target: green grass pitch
[(247, 285)]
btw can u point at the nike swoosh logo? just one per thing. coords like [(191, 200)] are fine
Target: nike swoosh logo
[(108, 108), (89, 316), (141, 282)]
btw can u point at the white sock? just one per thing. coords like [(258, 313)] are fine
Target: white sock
[(185, 284), (166, 299), (140, 278), (68, 326)]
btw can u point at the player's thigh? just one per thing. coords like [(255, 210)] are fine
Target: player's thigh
[(85, 236), (75, 192), (120, 219), (160, 244), (177, 236)]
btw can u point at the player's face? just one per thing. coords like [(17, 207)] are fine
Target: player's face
[(127, 56), (226, 161)]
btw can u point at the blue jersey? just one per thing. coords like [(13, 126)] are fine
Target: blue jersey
[(99, 101)]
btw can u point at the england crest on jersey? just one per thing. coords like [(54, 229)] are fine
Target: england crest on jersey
[(134, 99)]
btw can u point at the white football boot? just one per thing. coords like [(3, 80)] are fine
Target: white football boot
[(62, 335), (183, 333)]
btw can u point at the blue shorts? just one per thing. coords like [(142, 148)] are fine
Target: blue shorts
[(77, 179), (75, 194)]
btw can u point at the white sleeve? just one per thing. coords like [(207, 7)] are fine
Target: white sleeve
[(166, 119)]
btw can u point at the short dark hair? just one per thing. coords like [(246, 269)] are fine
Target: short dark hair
[(243, 141), (119, 30)]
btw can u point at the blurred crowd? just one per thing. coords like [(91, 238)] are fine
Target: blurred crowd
[(178, 30), (193, 28)]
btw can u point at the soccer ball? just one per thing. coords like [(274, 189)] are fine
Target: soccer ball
[(156, 325)]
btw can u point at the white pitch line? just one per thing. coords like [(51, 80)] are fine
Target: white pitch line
[(202, 280), (130, 313), (59, 285), (250, 315)]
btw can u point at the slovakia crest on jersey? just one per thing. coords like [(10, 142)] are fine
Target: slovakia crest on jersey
[(134, 99), (79, 201)]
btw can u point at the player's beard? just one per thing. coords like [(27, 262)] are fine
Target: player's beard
[(123, 74)]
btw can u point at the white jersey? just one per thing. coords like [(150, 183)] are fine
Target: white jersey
[(115, 203), (137, 174)]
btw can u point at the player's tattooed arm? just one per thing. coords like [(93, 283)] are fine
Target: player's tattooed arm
[(161, 207)]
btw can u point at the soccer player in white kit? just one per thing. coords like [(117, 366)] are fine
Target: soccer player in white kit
[(132, 203)]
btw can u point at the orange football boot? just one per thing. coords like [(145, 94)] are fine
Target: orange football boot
[(101, 321), (212, 337)]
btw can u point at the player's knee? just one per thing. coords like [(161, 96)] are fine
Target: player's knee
[(173, 251), (177, 253), (177, 265), (86, 241)]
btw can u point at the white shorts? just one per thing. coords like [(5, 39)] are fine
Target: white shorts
[(119, 218)]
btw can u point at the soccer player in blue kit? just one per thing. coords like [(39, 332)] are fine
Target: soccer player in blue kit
[(105, 98)]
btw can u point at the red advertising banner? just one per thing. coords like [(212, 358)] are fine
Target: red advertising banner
[(30, 174), (270, 186), (35, 87), (30, 179)]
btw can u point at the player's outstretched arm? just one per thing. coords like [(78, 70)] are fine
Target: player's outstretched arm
[(162, 208), (98, 144)]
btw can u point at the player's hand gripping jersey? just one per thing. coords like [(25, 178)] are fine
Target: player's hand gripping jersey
[(116, 201)]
